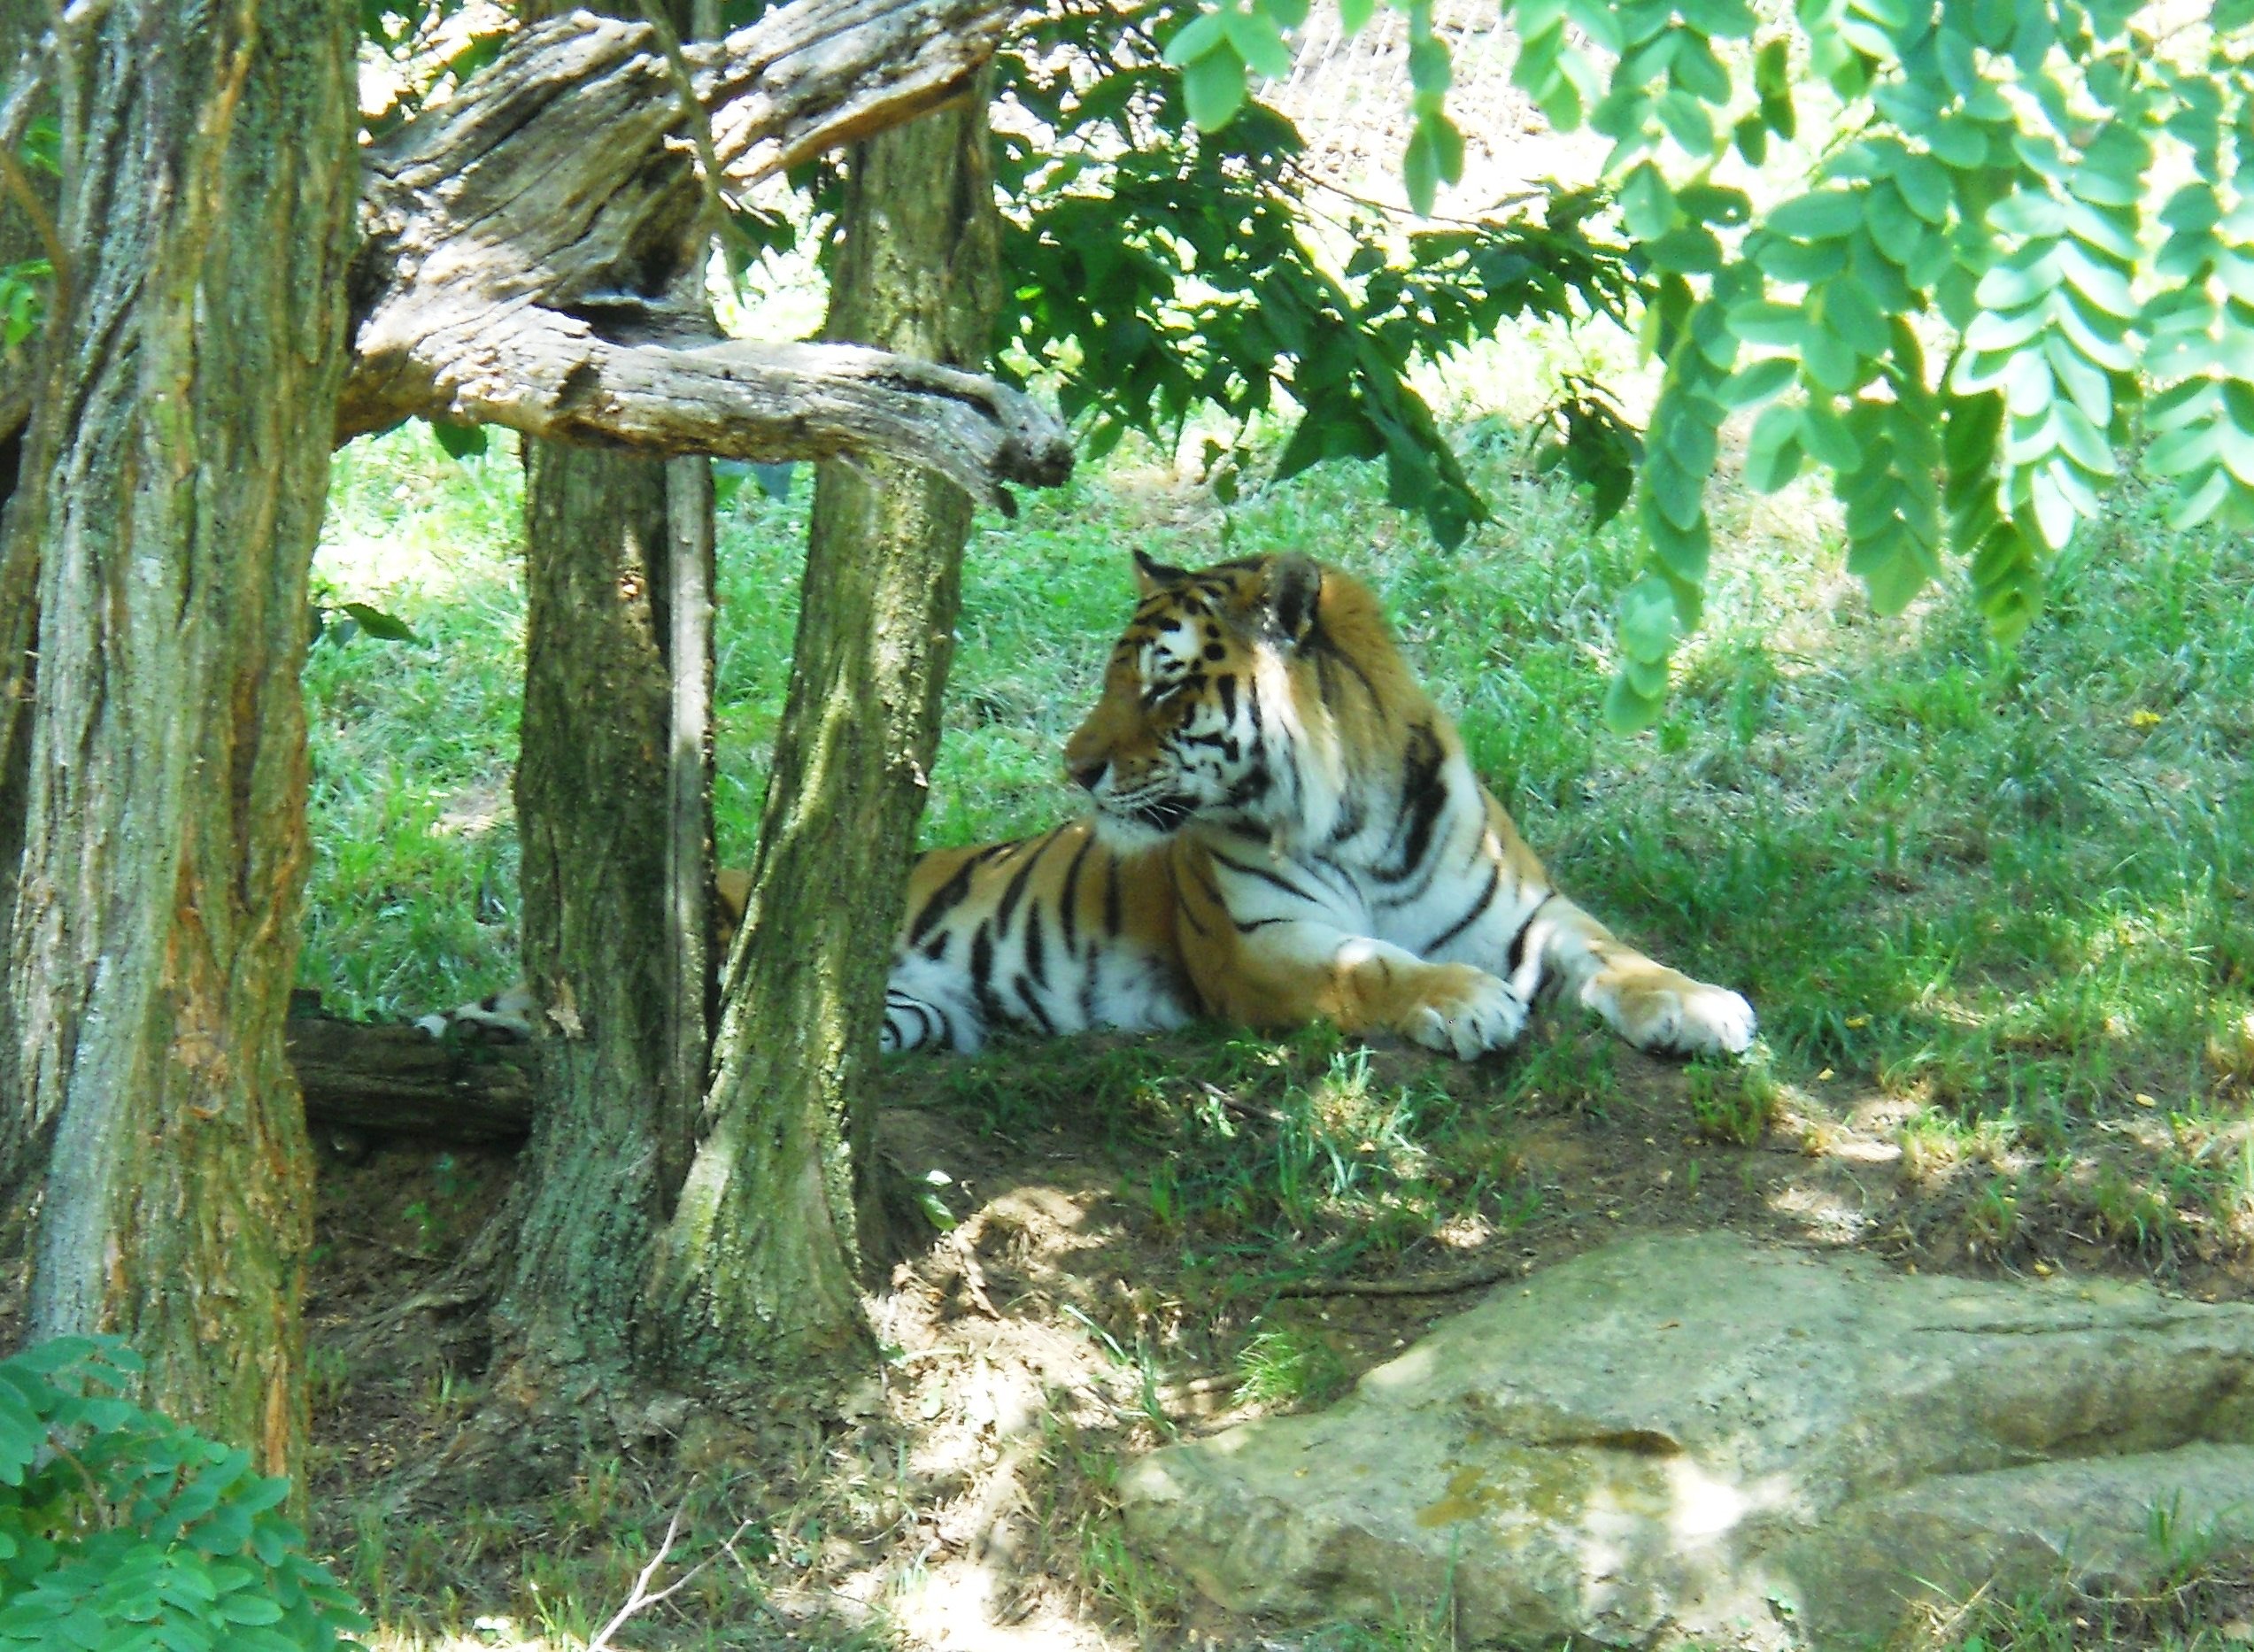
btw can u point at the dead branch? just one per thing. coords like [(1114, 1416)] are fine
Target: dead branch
[(533, 249)]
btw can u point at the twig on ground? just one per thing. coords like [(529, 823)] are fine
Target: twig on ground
[(643, 1597), (1429, 1285)]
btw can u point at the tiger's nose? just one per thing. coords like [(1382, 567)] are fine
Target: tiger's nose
[(1087, 775)]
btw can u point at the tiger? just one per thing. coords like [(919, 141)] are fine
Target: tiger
[(1283, 827)]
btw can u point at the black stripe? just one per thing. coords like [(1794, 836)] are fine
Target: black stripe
[(1036, 945), (944, 899), (982, 974), (1015, 892), (1478, 910), (1182, 906), (1069, 906), (1212, 889), (1111, 914), (1517, 954), (1032, 1002), (1327, 648), (1424, 795), (1276, 878)]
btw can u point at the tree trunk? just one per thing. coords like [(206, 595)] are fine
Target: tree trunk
[(174, 480), (591, 792), (20, 30), (605, 928), (759, 1267)]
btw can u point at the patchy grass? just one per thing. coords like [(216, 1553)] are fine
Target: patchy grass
[(1995, 910)]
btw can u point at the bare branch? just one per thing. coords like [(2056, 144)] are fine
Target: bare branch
[(643, 1596)]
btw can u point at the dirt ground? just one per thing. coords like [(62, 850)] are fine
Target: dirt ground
[(1070, 1320)]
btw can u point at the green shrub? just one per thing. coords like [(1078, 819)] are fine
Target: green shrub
[(121, 1530)]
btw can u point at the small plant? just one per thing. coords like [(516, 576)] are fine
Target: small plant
[(1280, 1367), (119, 1528), (1994, 1218), (1113, 1572), (1734, 1102)]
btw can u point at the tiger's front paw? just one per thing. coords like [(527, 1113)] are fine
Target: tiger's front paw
[(1681, 1017), (1467, 1013)]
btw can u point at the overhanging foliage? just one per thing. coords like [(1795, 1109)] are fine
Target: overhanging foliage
[(1959, 311)]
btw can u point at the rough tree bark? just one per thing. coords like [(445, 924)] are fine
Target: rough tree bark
[(759, 1266), (23, 31), (590, 792), (174, 477)]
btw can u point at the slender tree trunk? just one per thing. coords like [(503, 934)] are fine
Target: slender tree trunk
[(590, 792), (759, 1267), (20, 27), (174, 480), (597, 809)]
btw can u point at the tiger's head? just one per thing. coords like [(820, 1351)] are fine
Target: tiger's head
[(1252, 694)]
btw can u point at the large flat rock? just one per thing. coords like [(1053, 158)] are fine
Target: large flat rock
[(1706, 1438)]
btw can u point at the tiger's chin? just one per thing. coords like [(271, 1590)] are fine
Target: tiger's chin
[(1130, 830)]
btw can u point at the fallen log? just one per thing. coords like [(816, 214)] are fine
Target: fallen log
[(397, 1081)]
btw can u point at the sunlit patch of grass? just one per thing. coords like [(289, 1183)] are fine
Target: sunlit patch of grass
[(1281, 1366)]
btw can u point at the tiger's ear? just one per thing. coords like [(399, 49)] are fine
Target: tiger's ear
[(1294, 592), (1152, 578)]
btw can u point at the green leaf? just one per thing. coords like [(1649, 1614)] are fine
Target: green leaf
[(1926, 186), (1647, 203), (1649, 628), (2029, 214), (1686, 121), (1259, 41), (1849, 312), (2096, 281), (1824, 215), (1827, 439), (1214, 87), (1959, 141), (1752, 140), (461, 440), (1773, 69), (1429, 68), (1627, 710), (1420, 170), (381, 625), (1772, 454), (1194, 40), (1758, 381)]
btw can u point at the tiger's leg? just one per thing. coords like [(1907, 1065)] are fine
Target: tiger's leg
[(1283, 973), (1652, 1006), (504, 1018)]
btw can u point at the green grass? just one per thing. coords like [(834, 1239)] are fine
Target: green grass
[(2011, 884)]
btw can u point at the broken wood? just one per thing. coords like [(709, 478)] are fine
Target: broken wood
[(534, 254), (399, 1081)]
